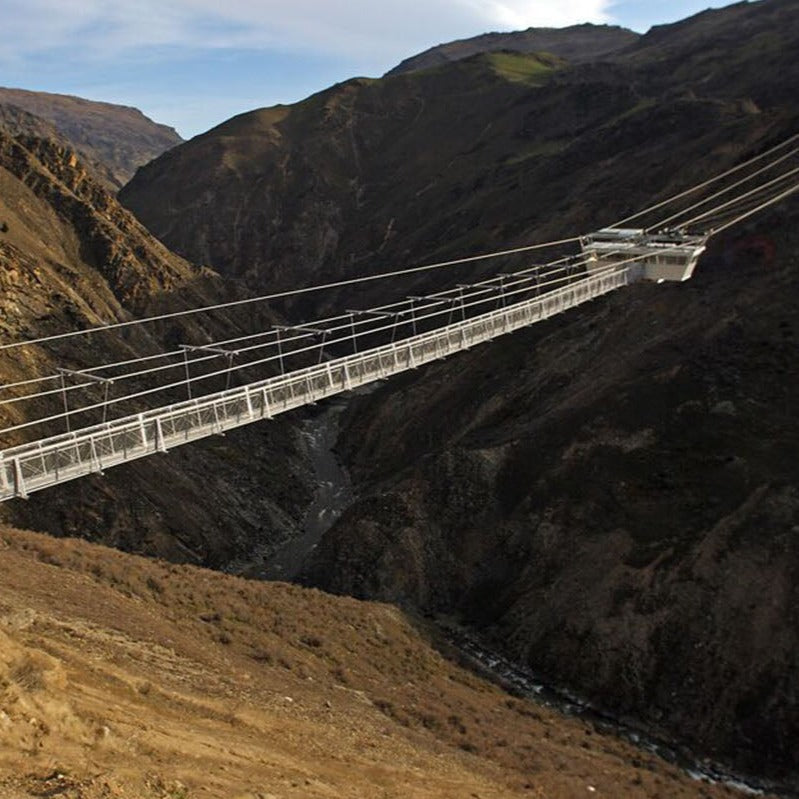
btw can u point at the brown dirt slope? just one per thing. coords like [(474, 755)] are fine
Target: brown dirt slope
[(113, 138), (122, 677)]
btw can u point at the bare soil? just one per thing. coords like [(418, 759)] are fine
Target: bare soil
[(124, 677)]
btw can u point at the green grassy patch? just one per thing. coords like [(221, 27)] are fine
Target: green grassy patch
[(530, 68)]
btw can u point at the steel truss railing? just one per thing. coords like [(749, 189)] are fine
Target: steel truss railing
[(31, 467)]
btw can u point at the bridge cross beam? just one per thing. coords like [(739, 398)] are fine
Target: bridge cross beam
[(106, 381), (378, 313), (311, 331), (230, 355)]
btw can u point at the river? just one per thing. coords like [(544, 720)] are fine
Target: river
[(332, 497)]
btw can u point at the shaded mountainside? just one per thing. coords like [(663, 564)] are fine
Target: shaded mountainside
[(741, 51), (71, 257), (143, 680), (611, 497), (113, 140), (577, 44), (497, 148)]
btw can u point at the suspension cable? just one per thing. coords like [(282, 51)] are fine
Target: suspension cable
[(732, 204), (224, 342), (708, 182), (350, 324), (290, 293), (760, 207), (740, 197), (723, 191), (184, 382)]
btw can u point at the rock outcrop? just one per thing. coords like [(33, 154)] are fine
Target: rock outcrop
[(112, 140)]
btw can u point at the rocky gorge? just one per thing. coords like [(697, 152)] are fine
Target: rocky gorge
[(610, 498)]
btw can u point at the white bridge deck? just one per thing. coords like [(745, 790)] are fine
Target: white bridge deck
[(32, 467)]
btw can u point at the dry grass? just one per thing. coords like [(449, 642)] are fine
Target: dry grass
[(130, 678)]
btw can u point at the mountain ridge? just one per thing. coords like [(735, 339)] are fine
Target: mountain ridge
[(577, 44), (113, 139)]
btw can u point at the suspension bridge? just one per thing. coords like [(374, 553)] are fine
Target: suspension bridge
[(289, 366)]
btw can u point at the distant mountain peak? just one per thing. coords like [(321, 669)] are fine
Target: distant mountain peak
[(577, 43), (117, 138)]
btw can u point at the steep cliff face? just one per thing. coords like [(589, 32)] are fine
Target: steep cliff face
[(71, 257), (113, 140), (104, 236)]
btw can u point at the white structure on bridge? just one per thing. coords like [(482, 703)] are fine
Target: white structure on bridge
[(668, 255)]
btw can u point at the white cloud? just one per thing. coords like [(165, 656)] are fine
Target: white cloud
[(358, 28), (520, 14)]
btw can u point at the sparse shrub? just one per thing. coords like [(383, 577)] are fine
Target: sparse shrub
[(27, 675), (384, 706), (430, 722), (340, 676), (262, 656), (4, 227), (457, 723)]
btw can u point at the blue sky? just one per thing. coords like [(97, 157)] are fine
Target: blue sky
[(194, 63)]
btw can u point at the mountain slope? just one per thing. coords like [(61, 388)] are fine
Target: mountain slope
[(114, 140), (70, 258), (577, 44), (736, 52), (611, 498), (460, 158), (129, 678), (373, 175)]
